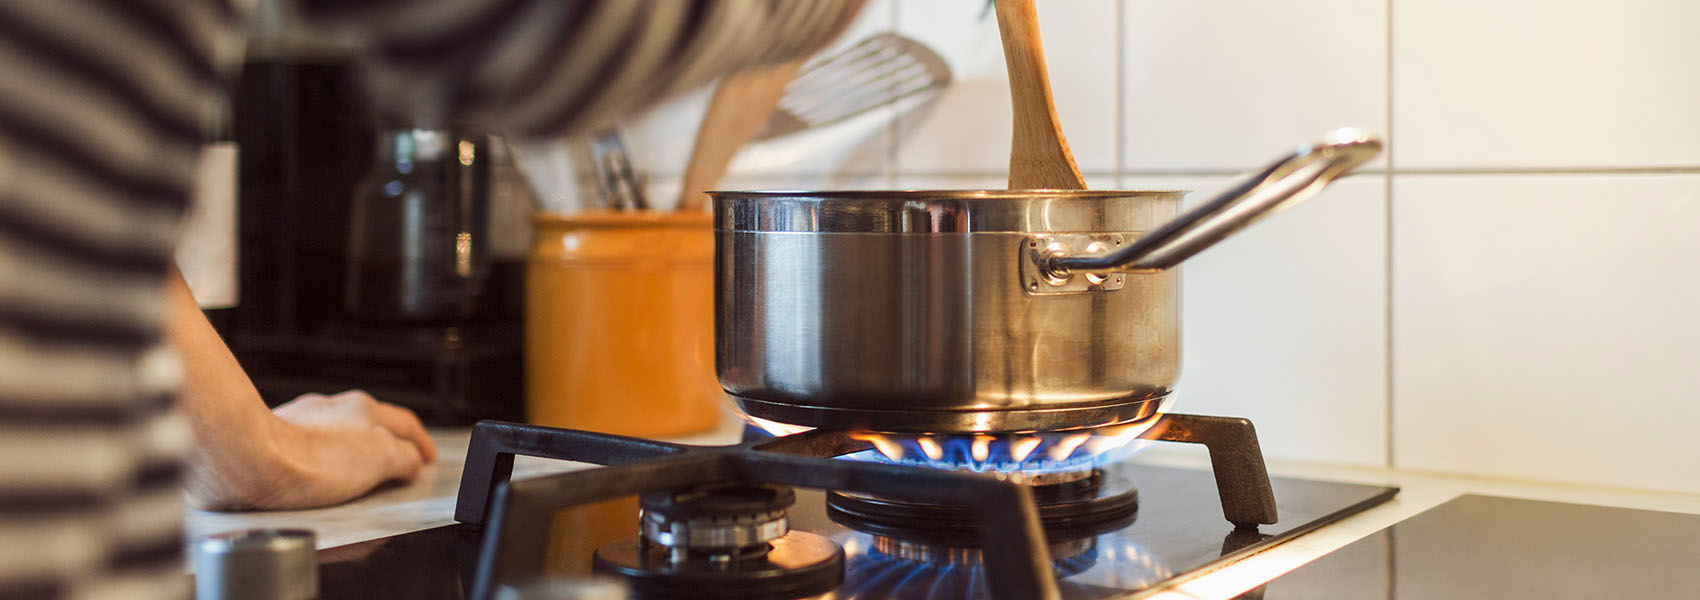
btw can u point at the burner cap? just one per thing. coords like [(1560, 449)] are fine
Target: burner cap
[(718, 500), (798, 565), (720, 518), (1073, 509)]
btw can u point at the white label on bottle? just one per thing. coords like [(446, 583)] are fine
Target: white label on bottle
[(207, 251)]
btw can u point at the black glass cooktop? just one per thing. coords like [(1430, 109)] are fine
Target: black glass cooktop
[(1178, 528), (1488, 547)]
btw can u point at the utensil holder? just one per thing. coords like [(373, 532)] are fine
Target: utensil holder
[(620, 323)]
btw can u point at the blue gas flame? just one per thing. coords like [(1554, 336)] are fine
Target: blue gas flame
[(1033, 452)]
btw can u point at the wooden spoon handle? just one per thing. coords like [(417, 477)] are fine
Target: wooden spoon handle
[(740, 106), (1038, 154)]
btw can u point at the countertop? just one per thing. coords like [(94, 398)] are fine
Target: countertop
[(428, 502)]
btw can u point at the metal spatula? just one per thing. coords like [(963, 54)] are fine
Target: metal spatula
[(874, 72)]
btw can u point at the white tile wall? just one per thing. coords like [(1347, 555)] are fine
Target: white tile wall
[(1546, 83), (1546, 327), (968, 129), (1285, 324), (1227, 84), (1542, 321), (660, 140)]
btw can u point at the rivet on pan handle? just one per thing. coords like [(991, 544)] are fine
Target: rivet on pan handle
[(1043, 246)]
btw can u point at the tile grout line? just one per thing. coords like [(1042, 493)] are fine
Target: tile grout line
[(970, 173), (1387, 276), (1200, 173), (1121, 94), (893, 123), (1577, 170)]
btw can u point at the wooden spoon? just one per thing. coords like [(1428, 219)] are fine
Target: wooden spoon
[(740, 106), (1038, 154)]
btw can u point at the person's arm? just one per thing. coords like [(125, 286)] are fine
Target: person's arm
[(536, 69), (313, 451)]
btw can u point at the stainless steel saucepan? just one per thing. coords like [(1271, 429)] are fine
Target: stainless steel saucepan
[(972, 311)]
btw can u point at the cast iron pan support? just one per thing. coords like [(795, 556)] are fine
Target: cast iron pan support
[(516, 514), (1242, 480)]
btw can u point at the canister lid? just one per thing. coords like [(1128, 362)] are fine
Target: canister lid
[(260, 564), (944, 211)]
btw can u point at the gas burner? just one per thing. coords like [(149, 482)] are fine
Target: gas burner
[(1047, 479), (722, 541), (1036, 457), (1078, 505), (722, 521)]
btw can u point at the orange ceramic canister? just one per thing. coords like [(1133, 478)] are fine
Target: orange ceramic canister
[(620, 323)]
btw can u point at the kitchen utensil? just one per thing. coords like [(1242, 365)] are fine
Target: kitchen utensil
[(740, 106), (875, 72), (972, 311), (618, 185), (619, 322), (1038, 153)]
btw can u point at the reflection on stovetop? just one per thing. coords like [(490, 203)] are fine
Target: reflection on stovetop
[(1178, 527), (1488, 547)]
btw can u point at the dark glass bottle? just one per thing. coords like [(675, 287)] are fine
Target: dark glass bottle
[(417, 246)]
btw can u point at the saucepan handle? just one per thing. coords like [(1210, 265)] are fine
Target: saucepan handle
[(1284, 183)]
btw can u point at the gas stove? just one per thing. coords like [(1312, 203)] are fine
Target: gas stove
[(827, 514)]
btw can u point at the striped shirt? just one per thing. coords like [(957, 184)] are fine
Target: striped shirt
[(102, 106)]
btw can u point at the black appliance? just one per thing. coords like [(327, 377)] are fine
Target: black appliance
[(724, 521), (1489, 547), (308, 140)]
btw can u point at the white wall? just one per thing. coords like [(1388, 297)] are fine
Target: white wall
[(1510, 292)]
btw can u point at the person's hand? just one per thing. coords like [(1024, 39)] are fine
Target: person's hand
[(334, 448), (357, 411), (316, 450)]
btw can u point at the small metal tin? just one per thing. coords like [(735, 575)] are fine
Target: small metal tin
[(256, 564)]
